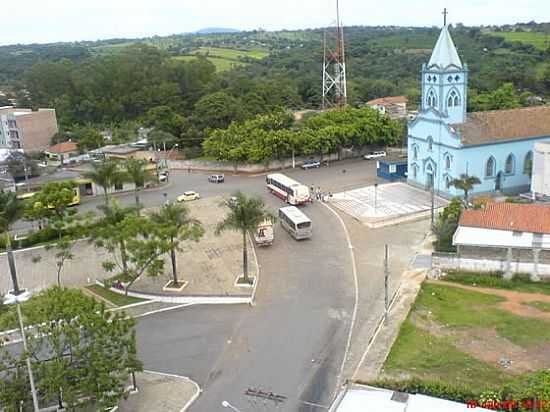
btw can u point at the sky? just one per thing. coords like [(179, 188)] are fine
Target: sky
[(44, 21)]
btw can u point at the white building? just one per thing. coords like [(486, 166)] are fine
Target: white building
[(540, 178), (359, 398)]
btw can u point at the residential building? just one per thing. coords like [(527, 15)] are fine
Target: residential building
[(444, 141), (509, 232), (62, 151), (361, 398), (393, 106), (26, 129)]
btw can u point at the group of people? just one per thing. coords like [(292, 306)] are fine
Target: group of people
[(317, 194)]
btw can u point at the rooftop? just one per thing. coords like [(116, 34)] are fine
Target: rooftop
[(509, 216), (388, 100), (444, 53), (501, 125), (64, 147)]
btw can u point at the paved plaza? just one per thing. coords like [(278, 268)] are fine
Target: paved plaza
[(386, 203)]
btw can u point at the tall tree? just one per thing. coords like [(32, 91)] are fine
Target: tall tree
[(106, 174), (137, 174), (245, 214), (466, 184), (132, 243), (10, 211), (175, 226)]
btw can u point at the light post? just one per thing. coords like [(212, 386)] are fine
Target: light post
[(226, 404), (375, 197)]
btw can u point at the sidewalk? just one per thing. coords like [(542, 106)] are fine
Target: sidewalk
[(160, 392)]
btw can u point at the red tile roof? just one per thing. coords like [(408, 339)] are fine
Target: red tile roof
[(502, 125), (388, 100), (509, 216), (65, 147)]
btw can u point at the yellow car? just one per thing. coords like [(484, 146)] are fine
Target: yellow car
[(188, 196)]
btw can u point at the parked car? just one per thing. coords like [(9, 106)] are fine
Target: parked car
[(374, 155), (310, 164), (216, 178), (188, 196)]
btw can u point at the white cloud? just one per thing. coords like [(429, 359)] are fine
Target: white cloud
[(66, 20)]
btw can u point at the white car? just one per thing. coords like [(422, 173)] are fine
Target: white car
[(374, 155), (188, 196)]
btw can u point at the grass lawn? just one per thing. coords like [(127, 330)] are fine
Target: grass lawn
[(537, 39), (495, 280), (544, 306), (437, 355), (420, 354), (221, 64), (114, 298)]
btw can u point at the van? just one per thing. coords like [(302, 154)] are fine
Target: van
[(216, 178)]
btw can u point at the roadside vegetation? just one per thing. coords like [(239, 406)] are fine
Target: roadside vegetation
[(114, 298), (463, 345), (519, 283)]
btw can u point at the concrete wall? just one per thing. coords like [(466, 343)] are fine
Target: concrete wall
[(37, 129), (489, 265)]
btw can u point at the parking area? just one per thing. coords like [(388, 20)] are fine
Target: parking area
[(386, 202)]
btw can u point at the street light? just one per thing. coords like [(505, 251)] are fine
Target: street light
[(226, 404)]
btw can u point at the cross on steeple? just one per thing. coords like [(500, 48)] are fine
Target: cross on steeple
[(445, 12)]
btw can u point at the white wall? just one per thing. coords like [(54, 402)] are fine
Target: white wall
[(473, 236)]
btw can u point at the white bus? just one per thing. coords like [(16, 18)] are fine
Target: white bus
[(287, 189), (295, 222)]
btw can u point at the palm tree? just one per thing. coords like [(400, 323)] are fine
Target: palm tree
[(105, 174), (175, 225), (11, 210), (465, 183), (245, 214), (138, 175)]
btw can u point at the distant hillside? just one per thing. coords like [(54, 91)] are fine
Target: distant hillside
[(216, 30)]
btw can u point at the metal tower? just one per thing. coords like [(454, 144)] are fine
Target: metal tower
[(335, 92)]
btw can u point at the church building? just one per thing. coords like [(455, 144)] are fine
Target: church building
[(445, 141)]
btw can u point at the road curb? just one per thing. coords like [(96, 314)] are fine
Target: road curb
[(197, 393), (356, 287)]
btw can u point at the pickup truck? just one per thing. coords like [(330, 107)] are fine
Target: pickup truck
[(310, 164)]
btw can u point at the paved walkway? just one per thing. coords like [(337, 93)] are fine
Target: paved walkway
[(160, 392), (211, 265), (387, 201)]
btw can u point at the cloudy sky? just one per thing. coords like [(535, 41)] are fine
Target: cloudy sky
[(43, 21)]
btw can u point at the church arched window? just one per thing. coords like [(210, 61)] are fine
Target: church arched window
[(415, 171), (430, 142), (509, 166), (528, 163), (447, 162), (454, 99), (432, 98), (415, 152), (490, 167)]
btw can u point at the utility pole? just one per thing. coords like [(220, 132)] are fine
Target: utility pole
[(386, 279), (334, 66), (375, 197), (17, 292)]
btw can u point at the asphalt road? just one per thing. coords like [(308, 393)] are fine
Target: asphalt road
[(292, 341)]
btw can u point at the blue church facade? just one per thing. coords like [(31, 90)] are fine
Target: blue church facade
[(445, 142)]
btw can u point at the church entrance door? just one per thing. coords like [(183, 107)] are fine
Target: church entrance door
[(498, 182)]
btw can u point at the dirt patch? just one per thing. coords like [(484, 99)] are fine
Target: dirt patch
[(514, 300), (487, 346)]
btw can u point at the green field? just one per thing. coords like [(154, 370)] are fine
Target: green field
[(225, 59), (429, 342), (537, 39)]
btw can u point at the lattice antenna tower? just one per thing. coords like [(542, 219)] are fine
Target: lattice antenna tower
[(335, 93)]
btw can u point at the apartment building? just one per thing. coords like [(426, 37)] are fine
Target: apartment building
[(26, 129)]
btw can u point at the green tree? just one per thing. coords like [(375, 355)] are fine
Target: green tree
[(244, 216), (106, 174), (137, 173), (174, 226), (84, 353), (10, 211), (446, 225), (132, 244), (466, 184), (217, 111), (88, 138), (165, 119)]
